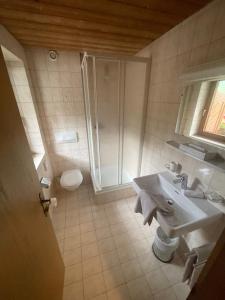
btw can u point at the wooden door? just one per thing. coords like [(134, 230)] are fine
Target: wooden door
[(31, 266)]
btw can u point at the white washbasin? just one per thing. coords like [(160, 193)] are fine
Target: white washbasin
[(189, 213)]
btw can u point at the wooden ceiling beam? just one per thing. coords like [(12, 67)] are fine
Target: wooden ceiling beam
[(47, 34), (12, 23), (39, 18), (63, 37), (114, 26), (86, 15), (83, 45), (71, 47), (123, 10), (180, 9)]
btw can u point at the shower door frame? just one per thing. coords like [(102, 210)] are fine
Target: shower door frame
[(121, 92)]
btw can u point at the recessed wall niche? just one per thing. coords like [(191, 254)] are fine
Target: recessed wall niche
[(22, 91)]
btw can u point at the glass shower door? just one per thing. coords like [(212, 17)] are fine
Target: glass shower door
[(108, 119), (133, 116), (88, 71), (115, 100)]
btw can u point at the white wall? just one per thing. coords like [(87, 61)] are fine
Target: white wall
[(11, 44), (199, 39), (58, 88), (22, 92)]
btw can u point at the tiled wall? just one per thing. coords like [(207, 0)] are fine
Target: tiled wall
[(21, 88), (197, 40), (58, 87), (12, 45)]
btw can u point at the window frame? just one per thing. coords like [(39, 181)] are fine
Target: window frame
[(201, 133)]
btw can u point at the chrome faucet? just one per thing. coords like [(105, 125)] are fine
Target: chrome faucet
[(183, 179)]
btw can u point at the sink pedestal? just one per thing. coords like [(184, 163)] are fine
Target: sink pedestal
[(164, 247)]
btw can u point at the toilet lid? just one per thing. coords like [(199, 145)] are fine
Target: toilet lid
[(71, 177)]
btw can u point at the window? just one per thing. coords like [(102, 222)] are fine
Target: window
[(212, 124)]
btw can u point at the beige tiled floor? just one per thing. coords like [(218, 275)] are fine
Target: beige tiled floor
[(107, 252)]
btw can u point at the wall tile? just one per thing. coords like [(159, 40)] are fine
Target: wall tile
[(22, 90), (219, 28), (197, 40), (205, 23), (58, 87), (216, 49), (54, 79), (19, 76)]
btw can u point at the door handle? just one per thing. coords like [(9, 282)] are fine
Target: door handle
[(45, 203)]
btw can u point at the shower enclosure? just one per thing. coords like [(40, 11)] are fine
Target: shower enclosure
[(115, 90)]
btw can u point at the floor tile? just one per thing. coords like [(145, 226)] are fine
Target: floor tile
[(94, 286), (132, 270), (72, 208), (114, 219), (88, 237), (100, 297), (72, 221), (157, 280), (72, 243), (126, 253), (136, 235), (107, 252), (72, 231), (174, 270), (72, 257), (106, 245), (119, 293), (109, 260), (73, 274), (148, 262), (142, 247), (118, 229), (113, 277), (86, 218), (89, 251), (86, 227), (103, 233), (72, 214), (60, 234), (122, 240), (92, 266), (100, 222), (58, 225), (73, 292), (61, 246), (181, 291), (167, 294), (139, 289)]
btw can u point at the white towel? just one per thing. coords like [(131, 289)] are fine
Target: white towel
[(195, 274), (146, 206), (189, 266), (195, 262)]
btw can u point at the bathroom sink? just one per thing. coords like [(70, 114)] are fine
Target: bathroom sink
[(188, 213)]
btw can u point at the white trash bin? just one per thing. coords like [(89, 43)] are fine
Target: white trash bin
[(163, 246)]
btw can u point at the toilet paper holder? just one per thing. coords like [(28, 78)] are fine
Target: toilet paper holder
[(45, 203)]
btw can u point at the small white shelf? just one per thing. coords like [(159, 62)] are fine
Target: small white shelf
[(218, 162)]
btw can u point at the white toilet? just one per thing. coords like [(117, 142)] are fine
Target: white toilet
[(71, 180)]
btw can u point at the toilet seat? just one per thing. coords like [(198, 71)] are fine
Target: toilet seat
[(71, 179)]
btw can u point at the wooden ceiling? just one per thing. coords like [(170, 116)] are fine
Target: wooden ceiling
[(109, 26)]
